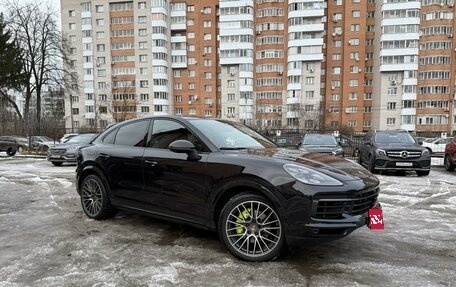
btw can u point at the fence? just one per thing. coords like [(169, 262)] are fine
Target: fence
[(290, 138)]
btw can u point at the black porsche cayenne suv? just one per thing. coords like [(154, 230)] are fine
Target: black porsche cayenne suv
[(224, 177)]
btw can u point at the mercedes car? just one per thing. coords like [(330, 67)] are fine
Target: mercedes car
[(225, 177)]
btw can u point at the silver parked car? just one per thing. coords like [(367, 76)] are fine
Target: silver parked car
[(68, 151)]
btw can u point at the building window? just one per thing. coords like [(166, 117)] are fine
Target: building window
[(391, 106), (71, 13), (231, 84), (103, 110), (72, 26), (143, 58), (142, 32), (99, 8), (75, 111), (144, 83), (391, 121), (144, 97), (145, 109), (141, 5), (142, 19)]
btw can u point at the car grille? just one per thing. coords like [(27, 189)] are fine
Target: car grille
[(334, 206), (57, 151), (404, 153)]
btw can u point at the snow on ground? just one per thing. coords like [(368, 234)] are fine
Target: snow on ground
[(47, 241)]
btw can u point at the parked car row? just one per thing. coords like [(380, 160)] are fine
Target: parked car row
[(13, 144), (393, 150)]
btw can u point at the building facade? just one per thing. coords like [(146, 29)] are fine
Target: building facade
[(358, 65)]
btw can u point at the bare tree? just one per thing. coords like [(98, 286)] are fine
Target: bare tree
[(43, 53), (310, 120)]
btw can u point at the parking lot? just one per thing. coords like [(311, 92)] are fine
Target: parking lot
[(46, 240)]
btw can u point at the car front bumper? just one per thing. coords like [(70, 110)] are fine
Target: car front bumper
[(383, 162), (68, 156), (328, 215)]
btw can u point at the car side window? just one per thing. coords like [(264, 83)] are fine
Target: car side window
[(133, 134), (164, 132), (109, 138)]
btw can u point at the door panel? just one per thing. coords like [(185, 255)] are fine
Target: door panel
[(175, 185)]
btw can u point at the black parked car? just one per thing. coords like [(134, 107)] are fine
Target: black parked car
[(323, 143), (225, 177), (395, 150), (68, 151), (13, 144)]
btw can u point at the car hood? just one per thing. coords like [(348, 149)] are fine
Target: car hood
[(319, 148), (68, 145), (401, 146), (337, 167)]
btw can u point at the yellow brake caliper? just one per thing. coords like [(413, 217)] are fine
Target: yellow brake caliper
[(242, 215)]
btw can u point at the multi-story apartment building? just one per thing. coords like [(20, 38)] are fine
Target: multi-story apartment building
[(337, 64)]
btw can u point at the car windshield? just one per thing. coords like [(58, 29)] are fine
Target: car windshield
[(317, 139), (81, 139), (229, 135), (394, 138)]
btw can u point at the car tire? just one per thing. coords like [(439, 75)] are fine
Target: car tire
[(371, 164), (422, 172), (11, 151), (448, 164), (94, 199), (251, 228), (57, 163)]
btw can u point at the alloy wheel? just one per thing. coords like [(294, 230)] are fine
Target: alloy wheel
[(253, 229), (92, 197)]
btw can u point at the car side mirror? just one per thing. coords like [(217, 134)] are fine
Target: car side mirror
[(420, 142), (184, 146)]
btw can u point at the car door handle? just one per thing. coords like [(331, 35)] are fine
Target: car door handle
[(104, 156), (150, 163)]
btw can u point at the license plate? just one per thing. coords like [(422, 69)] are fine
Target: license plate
[(404, 164), (375, 219), (56, 156)]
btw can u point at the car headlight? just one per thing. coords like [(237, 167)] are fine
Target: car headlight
[(310, 176), (73, 148), (380, 151), (425, 152), (338, 151)]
